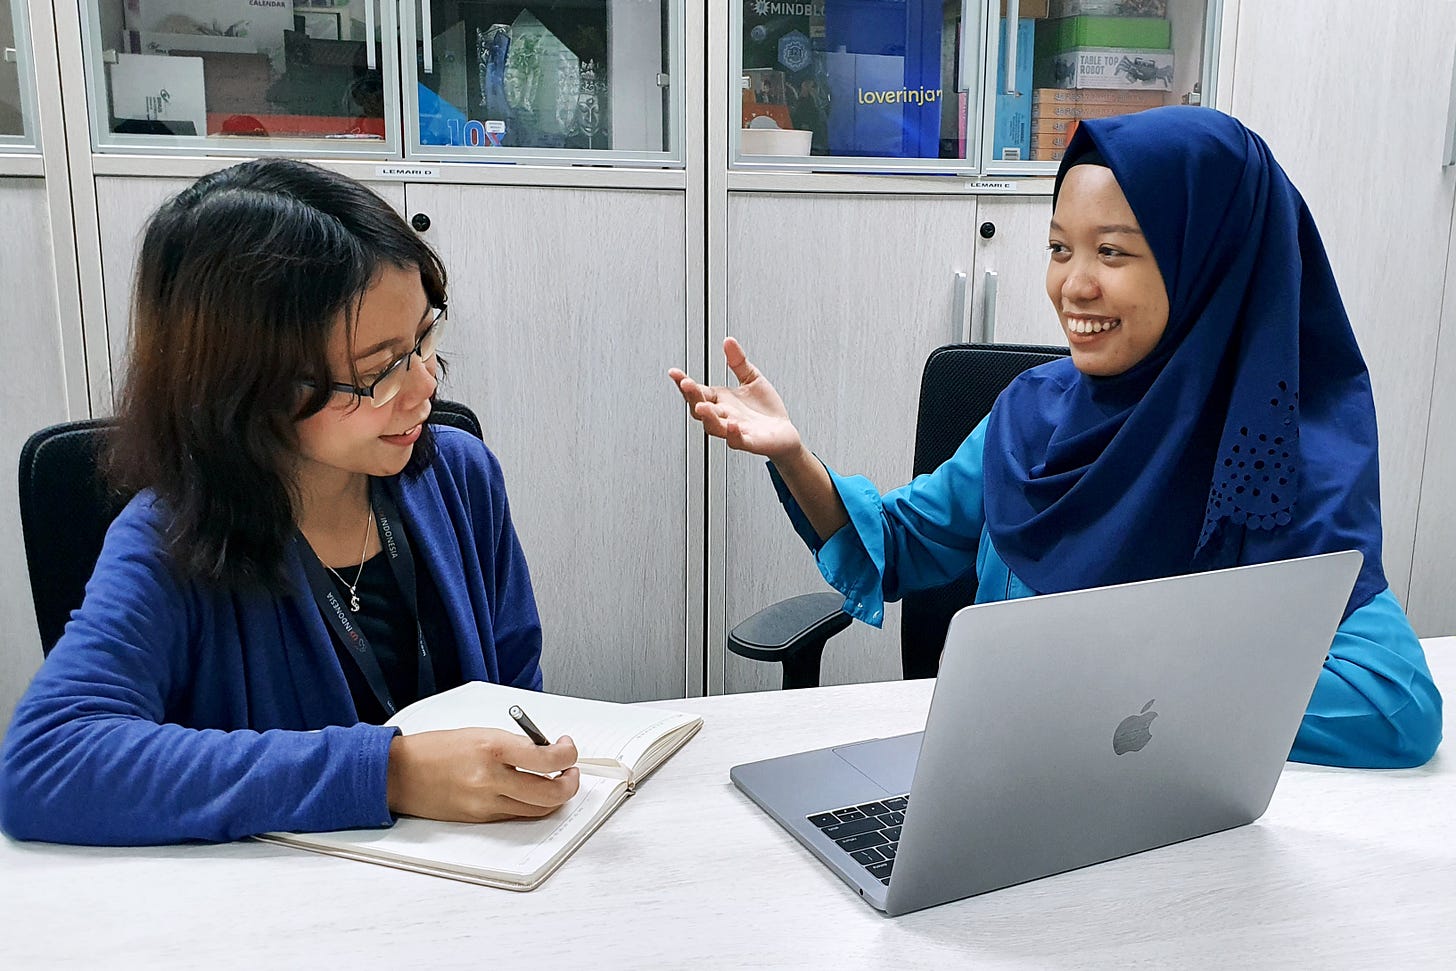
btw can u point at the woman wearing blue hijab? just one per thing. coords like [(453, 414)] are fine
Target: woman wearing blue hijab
[(1215, 411)]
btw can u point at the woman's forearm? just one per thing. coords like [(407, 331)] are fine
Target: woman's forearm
[(809, 482)]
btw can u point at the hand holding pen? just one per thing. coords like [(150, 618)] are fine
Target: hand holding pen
[(528, 726), (473, 774)]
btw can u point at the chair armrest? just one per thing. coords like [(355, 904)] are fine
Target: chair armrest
[(792, 631)]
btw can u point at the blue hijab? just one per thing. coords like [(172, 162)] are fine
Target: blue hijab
[(1246, 435)]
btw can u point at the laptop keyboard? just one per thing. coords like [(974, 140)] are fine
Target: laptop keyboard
[(869, 832)]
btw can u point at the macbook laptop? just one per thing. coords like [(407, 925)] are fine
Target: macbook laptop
[(1070, 729)]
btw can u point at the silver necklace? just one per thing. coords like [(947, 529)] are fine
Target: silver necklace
[(354, 597)]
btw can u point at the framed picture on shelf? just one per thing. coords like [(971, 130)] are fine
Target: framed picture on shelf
[(321, 23)]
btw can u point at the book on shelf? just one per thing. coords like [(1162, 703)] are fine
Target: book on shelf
[(618, 746)]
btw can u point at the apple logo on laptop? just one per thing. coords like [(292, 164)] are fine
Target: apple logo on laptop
[(1133, 731)]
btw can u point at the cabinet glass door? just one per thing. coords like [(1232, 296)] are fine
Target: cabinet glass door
[(17, 95), (548, 81), (1060, 61), (243, 77), (859, 85)]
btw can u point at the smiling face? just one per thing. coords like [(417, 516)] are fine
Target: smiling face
[(1102, 279), (349, 437)]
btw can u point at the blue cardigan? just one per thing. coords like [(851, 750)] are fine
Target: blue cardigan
[(1374, 704), (174, 710)]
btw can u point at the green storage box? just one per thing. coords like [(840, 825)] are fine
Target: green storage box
[(1138, 33)]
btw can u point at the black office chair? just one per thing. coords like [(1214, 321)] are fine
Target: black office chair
[(66, 508), (960, 384)]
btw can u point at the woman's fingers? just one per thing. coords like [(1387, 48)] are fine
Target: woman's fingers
[(712, 418), (738, 362), (555, 757), (691, 391), (536, 790), (505, 808)]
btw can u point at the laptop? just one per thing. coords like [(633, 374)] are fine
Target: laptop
[(1071, 729)]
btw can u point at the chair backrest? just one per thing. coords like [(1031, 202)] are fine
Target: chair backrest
[(960, 384), (66, 508)]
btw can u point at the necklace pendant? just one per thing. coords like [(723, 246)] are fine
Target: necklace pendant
[(353, 603)]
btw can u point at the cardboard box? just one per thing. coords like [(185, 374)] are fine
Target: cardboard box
[(1047, 154), (1051, 140), (1114, 67), (1109, 8), (1011, 126), (233, 84), (1030, 9), (1045, 112), (1143, 33), (1097, 96), (1044, 126)]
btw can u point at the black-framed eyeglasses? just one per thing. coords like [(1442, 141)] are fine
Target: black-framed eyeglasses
[(382, 390)]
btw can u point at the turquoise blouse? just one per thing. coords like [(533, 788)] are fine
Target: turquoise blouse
[(1374, 706)]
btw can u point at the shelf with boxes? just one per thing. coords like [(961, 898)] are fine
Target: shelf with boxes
[(1092, 59), (588, 82), (947, 86)]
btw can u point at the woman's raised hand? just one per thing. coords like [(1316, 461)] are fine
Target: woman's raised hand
[(750, 418)]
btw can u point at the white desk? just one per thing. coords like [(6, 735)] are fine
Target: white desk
[(1347, 869)]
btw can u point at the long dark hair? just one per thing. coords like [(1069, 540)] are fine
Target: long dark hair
[(242, 278)]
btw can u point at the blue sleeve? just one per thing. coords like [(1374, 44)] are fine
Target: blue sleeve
[(919, 536), (99, 751), (516, 622), (1375, 705)]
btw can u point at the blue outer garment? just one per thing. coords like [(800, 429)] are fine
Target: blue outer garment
[(174, 710), (1250, 424), (1374, 705)]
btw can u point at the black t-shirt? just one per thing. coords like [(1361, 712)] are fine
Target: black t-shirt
[(384, 618)]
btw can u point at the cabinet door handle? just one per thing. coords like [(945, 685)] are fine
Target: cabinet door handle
[(1013, 27), (1449, 156), (427, 34), (960, 320), (988, 310), (371, 51)]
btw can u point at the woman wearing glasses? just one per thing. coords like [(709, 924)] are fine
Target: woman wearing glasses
[(305, 555)]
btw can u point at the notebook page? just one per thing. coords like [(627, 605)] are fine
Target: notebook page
[(517, 847), (602, 730)]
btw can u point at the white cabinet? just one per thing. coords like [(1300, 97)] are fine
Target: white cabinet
[(839, 299), (1009, 280), (567, 308), (32, 395)]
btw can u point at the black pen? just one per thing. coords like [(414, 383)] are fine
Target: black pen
[(528, 726)]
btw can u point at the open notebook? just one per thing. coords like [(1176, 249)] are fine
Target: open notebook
[(618, 746)]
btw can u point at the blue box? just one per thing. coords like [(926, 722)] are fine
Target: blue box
[(1011, 125), (881, 63)]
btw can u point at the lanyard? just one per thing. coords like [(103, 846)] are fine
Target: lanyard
[(402, 562)]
